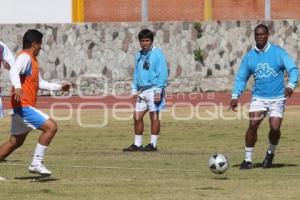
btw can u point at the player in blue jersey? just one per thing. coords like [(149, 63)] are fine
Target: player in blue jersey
[(267, 64), (149, 80)]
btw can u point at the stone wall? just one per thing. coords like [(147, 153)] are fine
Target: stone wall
[(99, 56)]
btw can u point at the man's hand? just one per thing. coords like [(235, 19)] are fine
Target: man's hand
[(18, 94), (6, 65), (134, 97), (288, 92), (67, 86), (157, 97), (233, 105)]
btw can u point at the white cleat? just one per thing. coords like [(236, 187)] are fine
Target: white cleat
[(39, 169)]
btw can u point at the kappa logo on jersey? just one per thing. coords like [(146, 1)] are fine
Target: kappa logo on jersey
[(263, 70)]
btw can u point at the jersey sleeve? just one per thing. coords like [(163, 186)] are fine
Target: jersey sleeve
[(291, 69), (45, 85), (7, 55), (161, 71), (135, 76), (21, 66), (241, 79)]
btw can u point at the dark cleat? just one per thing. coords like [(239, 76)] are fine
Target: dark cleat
[(267, 163), (150, 147), (132, 148), (246, 165)]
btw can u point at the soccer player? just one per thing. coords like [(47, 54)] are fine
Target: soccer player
[(267, 64), (149, 80), (26, 81), (6, 60)]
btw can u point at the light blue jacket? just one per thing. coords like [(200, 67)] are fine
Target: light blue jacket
[(267, 67), (150, 71)]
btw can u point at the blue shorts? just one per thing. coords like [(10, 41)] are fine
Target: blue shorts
[(25, 119)]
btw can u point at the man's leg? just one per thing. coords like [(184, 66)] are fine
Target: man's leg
[(14, 142), (274, 136), (255, 118), (49, 129), (138, 131), (155, 129)]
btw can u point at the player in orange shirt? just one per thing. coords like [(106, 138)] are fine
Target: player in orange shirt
[(26, 81)]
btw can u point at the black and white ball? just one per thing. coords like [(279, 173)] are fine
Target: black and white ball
[(218, 163)]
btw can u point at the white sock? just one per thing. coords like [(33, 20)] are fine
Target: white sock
[(272, 148), (39, 154), (154, 140), (249, 153), (138, 140)]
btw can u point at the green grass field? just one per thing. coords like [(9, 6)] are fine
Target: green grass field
[(88, 164)]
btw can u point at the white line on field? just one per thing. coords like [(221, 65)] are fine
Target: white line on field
[(133, 168), (106, 167)]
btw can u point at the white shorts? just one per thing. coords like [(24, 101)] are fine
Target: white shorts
[(274, 108), (145, 101), (25, 119)]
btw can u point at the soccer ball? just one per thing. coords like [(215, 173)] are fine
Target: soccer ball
[(218, 163)]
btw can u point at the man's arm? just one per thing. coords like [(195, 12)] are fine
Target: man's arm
[(8, 58), (21, 66), (45, 85), (240, 82), (293, 74), (161, 70), (134, 91)]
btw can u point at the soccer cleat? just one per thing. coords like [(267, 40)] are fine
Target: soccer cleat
[(133, 147), (267, 163), (246, 165), (150, 147), (39, 169)]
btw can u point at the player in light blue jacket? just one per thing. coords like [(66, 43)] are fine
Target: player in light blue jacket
[(149, 80), (267, 63)]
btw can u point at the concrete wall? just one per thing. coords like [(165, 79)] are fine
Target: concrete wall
[(99, 56)]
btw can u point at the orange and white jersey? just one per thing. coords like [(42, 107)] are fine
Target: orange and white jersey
[(24, 74)]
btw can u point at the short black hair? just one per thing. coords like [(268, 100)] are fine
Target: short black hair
[(262, 26), (146, 33), (31, 36)]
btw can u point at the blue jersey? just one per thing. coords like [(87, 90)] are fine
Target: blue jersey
[(267, 67), (150, 71)]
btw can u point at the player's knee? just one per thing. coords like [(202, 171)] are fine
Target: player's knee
[(253, 127), (137, 118), (54, 129), (275, 130), (154, 116), (15, 143)]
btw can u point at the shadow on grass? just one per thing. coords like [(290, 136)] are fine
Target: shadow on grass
[(10, 161), (276, 165), (37, 178), (220, 178)]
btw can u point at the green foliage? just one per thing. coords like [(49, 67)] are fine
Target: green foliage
[(198, 55), (197, 27)]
